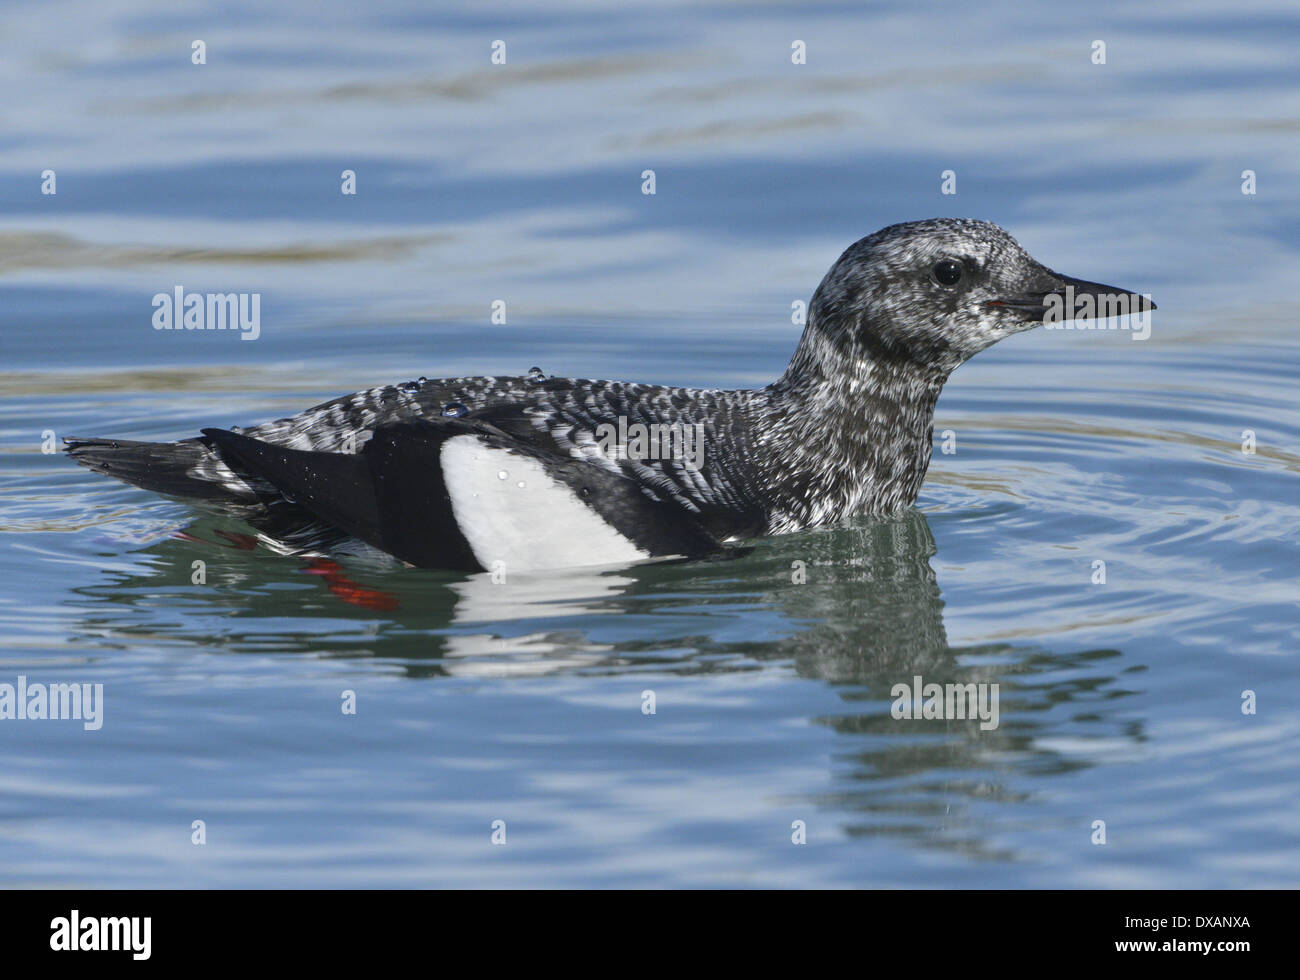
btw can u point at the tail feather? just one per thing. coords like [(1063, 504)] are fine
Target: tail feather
[(181, 469)]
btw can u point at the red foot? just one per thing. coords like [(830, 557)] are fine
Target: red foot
[(238, 541), (347, 590)]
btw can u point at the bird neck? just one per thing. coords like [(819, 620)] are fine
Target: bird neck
[(857, 428)]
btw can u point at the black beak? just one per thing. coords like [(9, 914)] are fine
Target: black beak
[(1056, 298)]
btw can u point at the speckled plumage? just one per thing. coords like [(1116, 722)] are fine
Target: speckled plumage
[(846, 429)]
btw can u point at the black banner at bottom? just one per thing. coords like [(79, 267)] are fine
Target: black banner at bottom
[(142, 929)]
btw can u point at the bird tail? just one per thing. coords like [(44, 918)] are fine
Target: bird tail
[(181, 469)]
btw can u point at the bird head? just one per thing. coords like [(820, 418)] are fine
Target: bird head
[(932, 294)]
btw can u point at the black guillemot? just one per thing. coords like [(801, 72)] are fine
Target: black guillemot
[(535, 472)]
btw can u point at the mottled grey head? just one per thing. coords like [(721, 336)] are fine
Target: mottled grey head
[(931, 294)]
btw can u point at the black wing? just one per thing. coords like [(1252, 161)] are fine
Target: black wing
[(393, 494)]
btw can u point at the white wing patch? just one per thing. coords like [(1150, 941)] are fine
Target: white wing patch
[(510, 510)]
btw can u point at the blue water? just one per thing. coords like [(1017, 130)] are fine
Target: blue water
[(522, 702)]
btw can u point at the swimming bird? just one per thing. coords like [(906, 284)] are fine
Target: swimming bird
[(534, 472)]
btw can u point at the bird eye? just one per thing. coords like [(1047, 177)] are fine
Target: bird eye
[(947, 272)]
